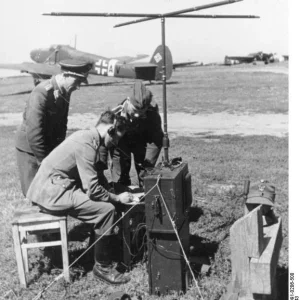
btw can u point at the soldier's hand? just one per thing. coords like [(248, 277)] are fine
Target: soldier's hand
[(125, 197)]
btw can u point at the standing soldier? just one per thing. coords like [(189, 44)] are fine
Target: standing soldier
[(45, 118), (143, 137)]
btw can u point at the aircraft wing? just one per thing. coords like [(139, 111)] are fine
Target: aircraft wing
[(142, 65), (34, 69), (128, 59), (183, 64)]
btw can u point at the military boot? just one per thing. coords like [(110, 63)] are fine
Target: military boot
[(104, 269)]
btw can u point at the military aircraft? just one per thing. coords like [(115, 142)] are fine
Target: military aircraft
[(55, 53), (47, 59), (251, 58)]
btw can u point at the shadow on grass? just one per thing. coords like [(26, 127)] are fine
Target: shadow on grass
[(161, 83), (80, 232), (125, 83), (110, 83), (202, 252), (201, 246), (195, 213)]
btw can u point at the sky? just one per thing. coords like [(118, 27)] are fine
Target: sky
[(23, 28)]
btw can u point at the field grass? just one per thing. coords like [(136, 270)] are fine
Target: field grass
[(192, 90), (212, 160)]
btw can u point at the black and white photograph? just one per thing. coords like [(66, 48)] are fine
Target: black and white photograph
[(148, 150)]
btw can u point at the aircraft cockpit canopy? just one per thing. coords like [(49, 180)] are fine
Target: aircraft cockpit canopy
[(55, 47)]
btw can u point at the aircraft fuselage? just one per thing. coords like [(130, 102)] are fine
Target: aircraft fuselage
[(101, 65)]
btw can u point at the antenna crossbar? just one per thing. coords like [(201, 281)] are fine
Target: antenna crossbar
[(122, 15)]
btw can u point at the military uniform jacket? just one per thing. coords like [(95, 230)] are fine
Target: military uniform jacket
[(73, 165), (146, 130), (44, 120)]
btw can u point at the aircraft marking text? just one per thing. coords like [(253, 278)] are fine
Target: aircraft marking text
[(112, 67)]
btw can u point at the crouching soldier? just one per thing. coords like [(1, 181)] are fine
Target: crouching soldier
[(143, 137), (67, 183)]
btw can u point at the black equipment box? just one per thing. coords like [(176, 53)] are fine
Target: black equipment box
[(166, 265), (176, 188), (133, 235)]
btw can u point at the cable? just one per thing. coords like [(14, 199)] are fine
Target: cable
[(165, 250), (177, 235), (39, 295)]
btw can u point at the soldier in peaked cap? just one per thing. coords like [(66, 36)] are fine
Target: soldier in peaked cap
[(143, 137), (45, 118)]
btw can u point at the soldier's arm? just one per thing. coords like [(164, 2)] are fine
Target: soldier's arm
[(155, 136), (36, 122), (61, 129), (101, 165), (85, 155)]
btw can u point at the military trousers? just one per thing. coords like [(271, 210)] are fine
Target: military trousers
[(121, 161), (99, 213), (28, 167)]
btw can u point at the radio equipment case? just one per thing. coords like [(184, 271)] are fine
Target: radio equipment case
[(166, 265)]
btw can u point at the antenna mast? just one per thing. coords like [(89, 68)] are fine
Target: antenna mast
[(148, 17)]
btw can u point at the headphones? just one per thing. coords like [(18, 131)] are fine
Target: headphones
[(111, 131)]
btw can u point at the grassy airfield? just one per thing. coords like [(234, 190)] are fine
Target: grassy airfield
[(213, 160)]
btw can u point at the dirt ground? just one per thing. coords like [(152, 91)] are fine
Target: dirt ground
[(247, 121), (183, 124)]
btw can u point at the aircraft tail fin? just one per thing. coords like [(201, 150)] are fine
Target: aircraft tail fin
[(157, 59)]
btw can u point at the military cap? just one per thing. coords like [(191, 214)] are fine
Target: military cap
[(261, 193), (140, 97), (76, 68)]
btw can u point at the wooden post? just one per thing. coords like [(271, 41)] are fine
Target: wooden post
[(263, 269), (254, 255)]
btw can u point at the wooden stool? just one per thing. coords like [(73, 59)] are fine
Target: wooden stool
[(27, 222)]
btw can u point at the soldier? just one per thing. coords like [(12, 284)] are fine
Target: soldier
[(45, 118), (143, 137), (67, 182)]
